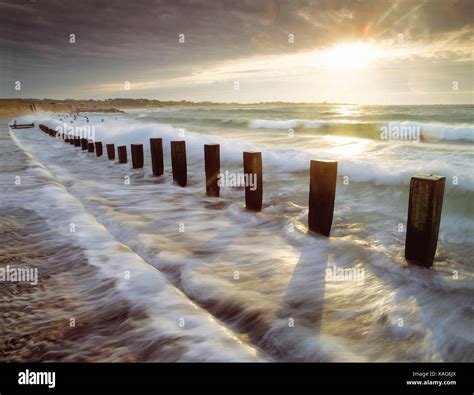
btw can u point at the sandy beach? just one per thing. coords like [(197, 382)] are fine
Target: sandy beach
[(75, 312)]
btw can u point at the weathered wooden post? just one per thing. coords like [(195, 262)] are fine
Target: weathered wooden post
[(322, 193), (178, 162), (84, 144), (212, 167), (98, 148), (90, 147), (137, 156), (122, 153), (156, 150), (110, 151), (253, 175), (424, 216), (71, 140), (77, 142)]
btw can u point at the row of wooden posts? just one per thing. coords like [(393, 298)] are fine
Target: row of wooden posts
[(424, 207)]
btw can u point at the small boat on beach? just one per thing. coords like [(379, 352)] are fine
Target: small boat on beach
[(22, 126)]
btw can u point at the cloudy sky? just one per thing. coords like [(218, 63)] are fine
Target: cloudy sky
[(366, 51)]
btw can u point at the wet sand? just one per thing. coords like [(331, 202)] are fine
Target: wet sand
[(51, 321), (80, 310), (37, 318)]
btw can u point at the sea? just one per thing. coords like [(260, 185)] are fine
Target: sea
[(205, 279)]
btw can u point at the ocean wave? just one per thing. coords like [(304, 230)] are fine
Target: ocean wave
[(362, 167), (296, 123), (429, 131), (278, 280)]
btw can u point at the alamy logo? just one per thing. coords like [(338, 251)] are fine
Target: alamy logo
[(19, 274), (83, 132), (347, 274), (37, 378), (237, 180), (400, 131)]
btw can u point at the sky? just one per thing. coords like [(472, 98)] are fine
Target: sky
[(346, 51)]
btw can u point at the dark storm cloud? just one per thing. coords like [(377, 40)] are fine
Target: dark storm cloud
[(214, 29), (115, 36)]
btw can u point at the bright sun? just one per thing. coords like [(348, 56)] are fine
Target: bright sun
[(351, 56)]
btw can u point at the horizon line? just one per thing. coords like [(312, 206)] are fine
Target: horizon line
[(234, 103)]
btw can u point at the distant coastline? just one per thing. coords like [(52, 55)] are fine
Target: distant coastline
[(17, 107)]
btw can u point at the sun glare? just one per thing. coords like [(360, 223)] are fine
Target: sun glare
[(351, 56)]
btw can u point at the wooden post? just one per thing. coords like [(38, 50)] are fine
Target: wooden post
[(122, 153), (90, 147), (178, 162), (98, 148), (212, 167), (156, 149), (110, 151), (71, 140), (84, 144), (322, 193), (137, 156), (77, 142), (424, 216), (254, 180)]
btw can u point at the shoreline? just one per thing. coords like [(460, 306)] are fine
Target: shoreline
[(84, 308), (19, 107)]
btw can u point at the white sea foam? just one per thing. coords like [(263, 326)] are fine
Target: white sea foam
[(359, 159), (434, 131), (280, 274)]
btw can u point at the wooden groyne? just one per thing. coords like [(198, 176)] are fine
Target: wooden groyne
[(322, 194), (212, 168), (137, 155), (156, 151), (110, 151), (424, 217), (83, 144), (122, 153), (424, 206), (253, 177), (98, 148), (178, 162)]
